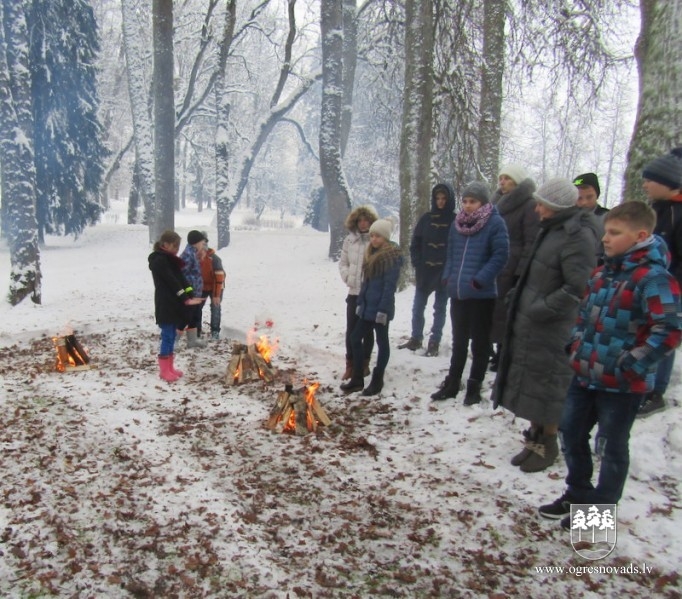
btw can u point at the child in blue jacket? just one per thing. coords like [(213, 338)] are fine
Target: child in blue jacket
[(478, 249), (376, 305)]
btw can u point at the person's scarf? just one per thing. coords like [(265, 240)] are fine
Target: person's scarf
[(470, 224), (379, 260)]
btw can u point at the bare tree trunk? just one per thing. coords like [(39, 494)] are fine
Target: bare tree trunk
[(138, 89), (415, 137), (491, 89), (658, 126), (223, 107), (350, 59), (164, 118), (18, 167), (331, 166)]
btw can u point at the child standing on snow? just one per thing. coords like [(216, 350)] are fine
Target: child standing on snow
[(478, 249), (376, 305), (629, 320), (172, 293), (191, 268), (213, 277)]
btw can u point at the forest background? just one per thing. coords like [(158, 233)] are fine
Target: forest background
[(312, 106)]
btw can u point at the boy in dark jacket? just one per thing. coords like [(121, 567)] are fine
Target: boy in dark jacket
[(427, 252), (662, 181), (629, 319)]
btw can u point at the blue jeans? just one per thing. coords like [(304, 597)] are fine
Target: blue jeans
[(215, 313), (167, 339), (440, 303), (663, 372), (614, 414)]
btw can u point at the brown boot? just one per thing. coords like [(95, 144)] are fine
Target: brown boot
[(349, 370), (543, 455), (530, 437)]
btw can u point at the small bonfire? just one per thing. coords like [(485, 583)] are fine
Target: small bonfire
[(71, 355), (251, 361), (297, 411)]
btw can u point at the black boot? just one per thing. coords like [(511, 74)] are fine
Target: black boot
[(450, 388), (376, 384), (473, 395), (356, 383)]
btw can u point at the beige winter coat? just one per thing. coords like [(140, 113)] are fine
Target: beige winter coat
[(353, 249)]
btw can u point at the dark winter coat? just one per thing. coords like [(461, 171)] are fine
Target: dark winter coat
[(474, 261), (429, 241), (533, 373), (169, 288), (628, 320), (380, 280), (517, 208), (669, 227)]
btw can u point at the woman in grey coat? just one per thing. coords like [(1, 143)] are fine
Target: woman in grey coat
[(534, 375)]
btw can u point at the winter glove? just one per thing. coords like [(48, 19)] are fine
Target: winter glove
[(475, 284), (382, 318)]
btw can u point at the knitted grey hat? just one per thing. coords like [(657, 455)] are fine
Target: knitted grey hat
[(382, 227), (477, 190), (666, 170), (557, 194)]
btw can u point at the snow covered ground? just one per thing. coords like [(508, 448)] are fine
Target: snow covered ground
[(117, 484)]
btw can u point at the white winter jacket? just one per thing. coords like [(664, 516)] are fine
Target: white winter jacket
[(350, 264)]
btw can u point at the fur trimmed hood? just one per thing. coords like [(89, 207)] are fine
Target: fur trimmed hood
[(357, 213)]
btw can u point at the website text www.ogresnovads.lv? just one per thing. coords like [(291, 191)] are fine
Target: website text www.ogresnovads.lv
[(595, 569)]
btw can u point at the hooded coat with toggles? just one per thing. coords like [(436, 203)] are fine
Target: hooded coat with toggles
[(428, 246)]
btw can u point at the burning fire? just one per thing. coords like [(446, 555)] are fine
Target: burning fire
[(265, 348), (309, 394), (70, 354)]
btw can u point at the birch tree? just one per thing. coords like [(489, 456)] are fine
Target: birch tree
[(415, 138), (658, 126), (18, 166)]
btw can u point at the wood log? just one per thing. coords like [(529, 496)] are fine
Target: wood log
[(318, 411), (73, 352), (83, 355)]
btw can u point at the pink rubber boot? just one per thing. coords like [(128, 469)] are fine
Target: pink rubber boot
[(165, 366), (174, 370)]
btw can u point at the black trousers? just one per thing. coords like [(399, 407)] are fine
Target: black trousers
[(472, 321), (351, 320)]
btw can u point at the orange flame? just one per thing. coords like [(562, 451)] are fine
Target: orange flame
[(265, 348)]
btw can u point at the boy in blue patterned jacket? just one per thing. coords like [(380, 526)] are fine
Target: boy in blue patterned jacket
[(629, 320)]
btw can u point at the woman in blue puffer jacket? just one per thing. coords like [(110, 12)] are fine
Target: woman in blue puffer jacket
[(478, 249)]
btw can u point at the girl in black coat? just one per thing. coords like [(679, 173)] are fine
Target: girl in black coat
[(171, 294)]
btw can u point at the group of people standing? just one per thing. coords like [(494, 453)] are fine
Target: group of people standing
[(182, 284), (574, 307)]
